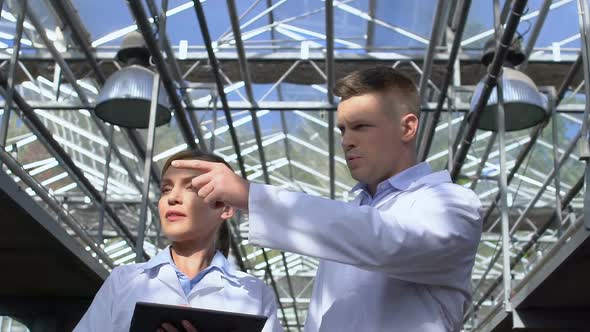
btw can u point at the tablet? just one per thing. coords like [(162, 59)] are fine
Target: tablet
[(148, 317)]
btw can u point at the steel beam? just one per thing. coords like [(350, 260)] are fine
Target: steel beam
[(439, 22), (525, 248), (218, 81), (65, 160), (584, 23), (245, 72), (424, 147), (535, 32), (174, 67), (536, 132), (371, 25), (489, 83), (215, 67), (67, 72), (12, 72), (67, 13), (330, 84), (144, 26), (64, 216)]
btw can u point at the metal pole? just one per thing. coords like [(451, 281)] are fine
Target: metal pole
[(536, 132), (532, 39), (149, 151), (37, 127), (439, 22), (11, 73), (164, 44), (554, 129), (504, 199), (489, 84), (215, 69), (536, 236), (371, 25), (584, 22), (484, 159), (245, 72), (72, 79), (144, 26), (17, 170), (105, 185), (430, 126), (68, 14), (330, 86)]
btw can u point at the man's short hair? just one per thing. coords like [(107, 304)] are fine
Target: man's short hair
[(223, 235), (380, 79)]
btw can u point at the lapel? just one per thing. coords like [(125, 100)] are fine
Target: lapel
[(168, 277), (211, 282)]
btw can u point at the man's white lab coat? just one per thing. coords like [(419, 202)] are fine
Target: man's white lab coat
[(403, 264)]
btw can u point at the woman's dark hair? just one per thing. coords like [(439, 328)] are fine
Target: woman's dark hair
[(223, 236)]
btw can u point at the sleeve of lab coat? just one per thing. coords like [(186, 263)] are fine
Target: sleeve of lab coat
[(98, 317), (431, 239), (270, 310)]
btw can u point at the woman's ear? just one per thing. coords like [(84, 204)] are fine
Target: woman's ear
[(227, 212)]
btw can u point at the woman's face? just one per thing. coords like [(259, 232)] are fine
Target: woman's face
[(183, 214)]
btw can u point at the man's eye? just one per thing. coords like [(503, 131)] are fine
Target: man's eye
[(165, 190)]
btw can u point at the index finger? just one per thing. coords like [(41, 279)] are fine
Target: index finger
[(188, 326), (200, 165)]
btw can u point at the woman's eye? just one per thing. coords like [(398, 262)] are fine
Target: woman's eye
[(165, 190)]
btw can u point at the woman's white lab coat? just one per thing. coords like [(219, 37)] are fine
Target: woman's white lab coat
[(226, 290)]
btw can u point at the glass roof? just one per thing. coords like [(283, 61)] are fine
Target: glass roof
[(54, 135)]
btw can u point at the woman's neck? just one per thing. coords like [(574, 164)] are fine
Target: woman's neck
[(191, 258)]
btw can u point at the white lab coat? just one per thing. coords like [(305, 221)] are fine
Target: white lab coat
[(233, 291), (403, 265)]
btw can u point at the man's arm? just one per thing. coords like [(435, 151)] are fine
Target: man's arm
[(431, 239)]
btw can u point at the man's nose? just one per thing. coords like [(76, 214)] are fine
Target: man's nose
[(347, 141)]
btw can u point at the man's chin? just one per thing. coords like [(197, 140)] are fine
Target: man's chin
[(358, 176)]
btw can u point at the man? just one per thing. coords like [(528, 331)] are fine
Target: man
[(397, 258)]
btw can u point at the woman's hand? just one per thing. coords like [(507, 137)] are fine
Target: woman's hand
[(167, 327)]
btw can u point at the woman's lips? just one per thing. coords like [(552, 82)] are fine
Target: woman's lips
[(174, 215)]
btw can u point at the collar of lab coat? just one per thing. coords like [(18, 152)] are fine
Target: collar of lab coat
[(409, 178), (168, 274)]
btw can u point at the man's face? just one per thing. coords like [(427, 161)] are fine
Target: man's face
[(372, 136), (183, 214)]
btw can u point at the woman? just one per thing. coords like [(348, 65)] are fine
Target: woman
[(192, 271)]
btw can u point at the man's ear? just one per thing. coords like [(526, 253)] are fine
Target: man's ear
[(227, 212), (409, 125)]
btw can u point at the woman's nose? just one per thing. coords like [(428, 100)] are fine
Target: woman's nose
[(174, 197)]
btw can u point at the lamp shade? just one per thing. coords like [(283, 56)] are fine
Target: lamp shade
[(524, 105), (126, 96)]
